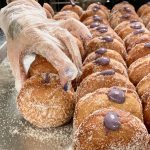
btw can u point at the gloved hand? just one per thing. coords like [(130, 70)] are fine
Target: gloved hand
[(28, 31)]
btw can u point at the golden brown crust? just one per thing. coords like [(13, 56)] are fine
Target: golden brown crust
[(77, 9), (127, 27), (142, 9), (99, 100), (89, 13), (98, 42), (64, 15), (100, 6), (41, 65), (139, 69), (92, 67), (146, 109), (122, 5), (118, 18), (96, 81), (146, 18), (93, 135), (88, 21), (109, 53), (131, 40), (143, 86), (137, 52), (108, 31), (43, 102)]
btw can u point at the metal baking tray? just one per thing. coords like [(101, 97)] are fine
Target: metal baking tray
[(15, 132)]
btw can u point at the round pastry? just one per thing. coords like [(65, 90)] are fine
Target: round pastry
[(101, 64), (123, 5), (105, 53), (146, 109), (121, 98), (137, 52), (98, 6), (136, 37), (75, 8), (118, 18), (41, 65), (111, 129), (89, 13), (64, 15), (106, 42), (139, 69), (103, 79), (103, 30), (143, 9), (143, 86), (146, 18), (127, 27), (98, 19), (124, 24), (43, 102)]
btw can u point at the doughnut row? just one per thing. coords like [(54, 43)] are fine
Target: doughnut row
[(108, 112), (137, 41), (144, 13)]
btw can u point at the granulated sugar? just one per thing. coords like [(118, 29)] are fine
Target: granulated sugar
[(18, 134)]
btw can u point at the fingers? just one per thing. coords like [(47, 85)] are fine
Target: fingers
[(78, 29), (45, 46), (69, 41), (49, 8)]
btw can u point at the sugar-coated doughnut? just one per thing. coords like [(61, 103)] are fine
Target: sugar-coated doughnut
[(101, 64), (95, 19), (123, 5), (139, 69), (137, 37), (137, 52), (105, 53), (106, 42), (143, 8), (104, 79), (89, 13), (41, 65), (64, 15), (146, 109), (111, 129), (143, 86), (104, 30), (99, 6), (75, 8), (44, 102), (126, 27), (121, 98)]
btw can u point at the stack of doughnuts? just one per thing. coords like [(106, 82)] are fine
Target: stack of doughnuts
[(108, 112), (137, 41)]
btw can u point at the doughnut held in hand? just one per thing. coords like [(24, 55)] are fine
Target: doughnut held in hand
[(44, 102)]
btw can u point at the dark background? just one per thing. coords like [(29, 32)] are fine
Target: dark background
[(136, 3)]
